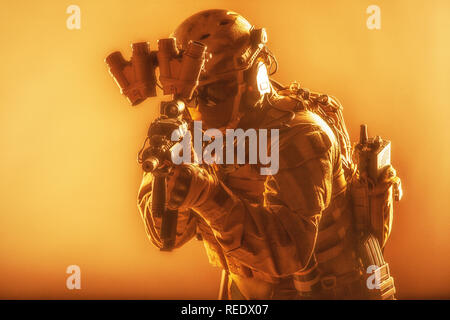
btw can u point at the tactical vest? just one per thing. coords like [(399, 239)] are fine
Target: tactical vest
[(355, 228)]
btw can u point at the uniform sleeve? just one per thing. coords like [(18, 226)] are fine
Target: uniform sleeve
[(279, 236), (186, 223)]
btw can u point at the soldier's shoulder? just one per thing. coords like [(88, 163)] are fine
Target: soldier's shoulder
[(293, 118), (306, 137), (303, 134)]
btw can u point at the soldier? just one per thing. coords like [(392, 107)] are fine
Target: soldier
[(290, 235)]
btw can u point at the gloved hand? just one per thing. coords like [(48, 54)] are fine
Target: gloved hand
[(189, 186), (387, 190), (387, 179)]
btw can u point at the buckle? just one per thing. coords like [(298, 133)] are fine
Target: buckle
[(328, 282)]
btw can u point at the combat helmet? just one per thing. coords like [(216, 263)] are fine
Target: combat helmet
[(235, 72)]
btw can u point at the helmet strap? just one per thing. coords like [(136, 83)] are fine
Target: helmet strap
[(242, 85)]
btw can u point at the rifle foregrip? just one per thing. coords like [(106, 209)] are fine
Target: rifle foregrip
[(169, 229), (159, 196)]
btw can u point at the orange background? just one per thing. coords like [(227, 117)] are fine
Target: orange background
[(68, 139)]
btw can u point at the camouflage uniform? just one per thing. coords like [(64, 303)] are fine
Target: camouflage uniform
[(285, 236)]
